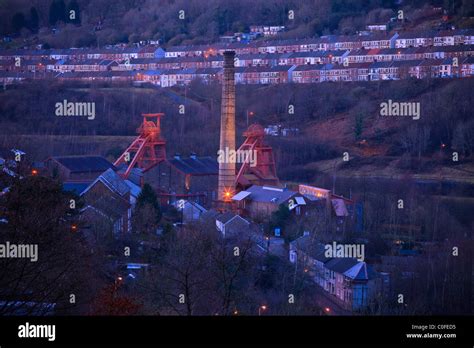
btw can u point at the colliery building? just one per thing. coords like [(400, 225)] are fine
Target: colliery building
[(77, 169), (193, 178)]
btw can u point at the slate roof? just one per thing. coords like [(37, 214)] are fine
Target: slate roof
[(114, 182), (225, 217), (210, 215), (341, 265), (80, 164), (76, 187), (196, 166), (194, 205), (112, 207), (135, 175), (357, 272), (311, 248), (134, 189), (237, 226), (270, 194), (309, 67)]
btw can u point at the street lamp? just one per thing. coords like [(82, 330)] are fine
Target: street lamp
[(261, 308), (227, 195), (249, 113), (117, 282)]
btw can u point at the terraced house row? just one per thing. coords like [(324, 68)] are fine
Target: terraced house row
[(308, 73), (329, 58)]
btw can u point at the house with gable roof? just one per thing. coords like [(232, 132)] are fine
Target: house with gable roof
[(111, 199), (351, 283)]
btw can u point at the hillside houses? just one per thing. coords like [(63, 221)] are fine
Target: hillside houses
[(332, 58), (307, 73), (92, 65), (433, 38)]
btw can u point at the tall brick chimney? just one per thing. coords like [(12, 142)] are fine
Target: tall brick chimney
[(227, 174)]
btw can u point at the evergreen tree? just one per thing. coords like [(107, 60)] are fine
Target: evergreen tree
[(147, 213), (53, 13), (18, 21), (280, 218), (147, 196), (34, 20), (57, 12), (62, 12), (359, 126)]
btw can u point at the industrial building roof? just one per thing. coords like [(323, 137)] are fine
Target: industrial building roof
[(196, 165), (269, 194), (78, 164), (241, 195)]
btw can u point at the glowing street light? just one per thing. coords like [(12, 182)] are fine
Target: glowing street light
[(227, 194), (118, 282), (249, 113), (34, 172), (261, 308), (327, 309)]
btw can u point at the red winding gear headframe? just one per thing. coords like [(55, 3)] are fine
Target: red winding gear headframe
[(148, 149), (264, 171)]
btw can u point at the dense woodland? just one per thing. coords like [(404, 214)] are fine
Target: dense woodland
[(102, 22)]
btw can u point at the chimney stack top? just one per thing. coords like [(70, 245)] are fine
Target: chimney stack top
[(229, 59)]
